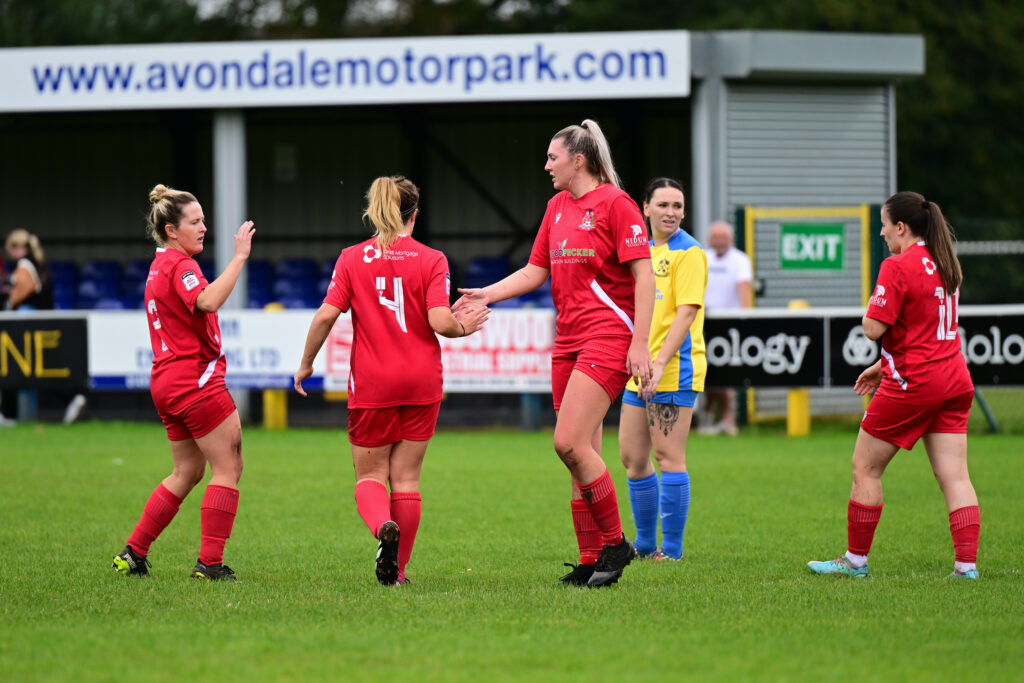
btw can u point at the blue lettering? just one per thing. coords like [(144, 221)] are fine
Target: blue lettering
[(232, 67), (157, 79), (284, 76), (475, 75), (180, 78), (646, 57), (392, 65), (544, 64), (354, 67), (408, 66), (320, 73), (47, 79), (205, 67), (260, 67), (502, 71), (586, 76), (608, 73), (435, 66)]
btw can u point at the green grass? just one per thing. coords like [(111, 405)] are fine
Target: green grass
[(484, 603)]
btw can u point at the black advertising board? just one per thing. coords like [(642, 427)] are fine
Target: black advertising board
[(38, 352), (763, 351), (827, 346)]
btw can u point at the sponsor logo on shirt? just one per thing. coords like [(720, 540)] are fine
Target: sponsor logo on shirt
[(396, 255), (558, 216), (661, 268), (878, 298), (370, 253), (448, 284), (563, 252), (588, 220), (190, 280), (638, 238), (929, 265)]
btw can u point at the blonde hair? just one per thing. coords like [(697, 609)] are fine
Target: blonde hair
[(390, 202), (20, 236), (588, 139), (168, 206)]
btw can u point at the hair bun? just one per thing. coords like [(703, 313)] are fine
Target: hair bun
[(157, 193)]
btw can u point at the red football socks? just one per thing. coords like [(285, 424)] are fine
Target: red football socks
[(965, 525), (405, 511), (158, 513), (861, 522), (216, 517), (373, 505), (588, 536), (599, 496)]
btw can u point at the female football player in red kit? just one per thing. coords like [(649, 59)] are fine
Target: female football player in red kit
[(593, 243), (187, 384), (922, 389), (398, 291)]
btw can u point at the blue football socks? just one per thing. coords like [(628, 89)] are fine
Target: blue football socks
[(643, 498), (675, 505)]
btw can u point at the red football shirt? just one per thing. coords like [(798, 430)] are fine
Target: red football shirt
[(921, 356), (587, 244), (187, 354), (396, 358)]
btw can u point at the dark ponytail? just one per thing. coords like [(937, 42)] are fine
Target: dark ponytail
[(925, 220)]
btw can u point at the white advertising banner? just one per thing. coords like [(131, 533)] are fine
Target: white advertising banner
[(262, 349), (556, 66), (511, 354)]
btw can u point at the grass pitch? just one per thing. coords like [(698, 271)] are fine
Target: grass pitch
[(484, 603)]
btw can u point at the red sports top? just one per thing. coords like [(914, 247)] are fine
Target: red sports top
[(587, 244), (396, 358), (921, 356), (187, 354)]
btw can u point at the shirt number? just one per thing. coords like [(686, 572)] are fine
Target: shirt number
[(947, 314), (397, 304)]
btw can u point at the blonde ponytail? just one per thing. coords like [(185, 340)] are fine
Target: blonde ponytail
[(390, 202), (588, 139), (168, 205)]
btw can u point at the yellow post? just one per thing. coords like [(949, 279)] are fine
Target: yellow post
[(275, 401), (798, 401)]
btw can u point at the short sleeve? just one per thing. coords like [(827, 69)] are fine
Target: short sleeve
[(887, 299), (743, 269), (540, 255), (439, 283), (628, 230), (188, 282), (339, 292), (690, 278)]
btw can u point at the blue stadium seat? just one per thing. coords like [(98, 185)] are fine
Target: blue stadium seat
[(136, 270), (208, 268), (90, 291), (102, 270), (109, 304), (327, 268), (259, 270), (485, 270), (287, 288), (297, 269), (64, 272)]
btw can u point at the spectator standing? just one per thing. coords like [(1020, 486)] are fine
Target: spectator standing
[(729, 279)]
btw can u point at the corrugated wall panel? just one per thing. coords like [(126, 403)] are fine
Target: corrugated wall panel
[(798, 146)]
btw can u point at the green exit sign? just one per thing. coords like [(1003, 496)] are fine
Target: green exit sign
[(809, 246)]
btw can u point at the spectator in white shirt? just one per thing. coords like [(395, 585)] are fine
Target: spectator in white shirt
[(729, 276)]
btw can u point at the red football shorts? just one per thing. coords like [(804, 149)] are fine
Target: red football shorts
[(198, 418), (374, 427), (602, 359), (900, 423)]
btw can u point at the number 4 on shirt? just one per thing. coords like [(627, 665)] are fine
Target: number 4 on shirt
[(397, 304)]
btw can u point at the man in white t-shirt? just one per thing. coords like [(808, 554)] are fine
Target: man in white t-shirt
[(729, 276)]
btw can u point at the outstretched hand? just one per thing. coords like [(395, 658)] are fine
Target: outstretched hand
[(243, 239), (868, 381), (471, 316), (473, 296), (300, 375)]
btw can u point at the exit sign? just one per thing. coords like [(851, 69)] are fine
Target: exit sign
[(808, 246)]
